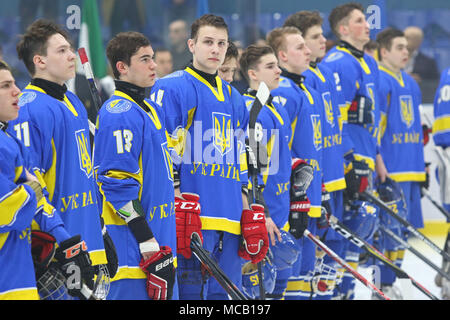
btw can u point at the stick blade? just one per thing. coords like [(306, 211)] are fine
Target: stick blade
[(263, 93)]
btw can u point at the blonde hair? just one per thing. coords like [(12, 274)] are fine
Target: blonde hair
[(277, 37)]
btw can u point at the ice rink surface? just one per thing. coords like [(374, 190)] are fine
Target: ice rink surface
[(415, 268)]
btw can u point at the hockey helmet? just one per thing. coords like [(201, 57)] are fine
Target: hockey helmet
[(285, 252), (250, 278), (361, 218), (50, 280), (324, 277)]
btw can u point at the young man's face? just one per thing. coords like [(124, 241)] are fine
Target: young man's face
[(227, 69), (142, 69), (266, 71), (59, 63), (164, 63), (397, 57), (209, 48), (9, 97), (297, 54), (357, 27), (315, 41)]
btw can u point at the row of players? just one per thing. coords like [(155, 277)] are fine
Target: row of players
[(166, 167)]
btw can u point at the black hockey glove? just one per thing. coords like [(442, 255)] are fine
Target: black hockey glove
[(360, 111), (74, 260), (301, 177), (357, 178), (426, 184), (323, 221)]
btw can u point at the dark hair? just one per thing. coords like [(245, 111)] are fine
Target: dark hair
[(251, 56), (385, 37), (123, 46), (35, 41), (341, 13), (207, 20), (4, 66), (303, 20), (276, 38), (232, 51)]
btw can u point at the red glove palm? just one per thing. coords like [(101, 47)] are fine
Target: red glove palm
[(254, 232), (187, 211)]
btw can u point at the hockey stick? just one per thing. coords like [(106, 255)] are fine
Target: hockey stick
[(214, 270), (92, 86), (261, 98), (342, 262), (426, 193), (373, 199), (344, 231), (414, 251)]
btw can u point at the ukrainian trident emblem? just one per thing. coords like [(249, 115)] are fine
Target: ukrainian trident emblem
[(222, 132)]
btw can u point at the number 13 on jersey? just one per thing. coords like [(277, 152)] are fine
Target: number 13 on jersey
[(123, 140)]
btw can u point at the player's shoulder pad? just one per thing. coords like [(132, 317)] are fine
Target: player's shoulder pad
[(27, 97), (118, 105), (284, 83), (175, 74), (334, 56)]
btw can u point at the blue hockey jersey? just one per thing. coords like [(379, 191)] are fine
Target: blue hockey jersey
[(303, 105), (321, 79), (276, 128), (206, 127), (132, 161), (357, 76), (441, 125), (57, 135), (401, 129), (17, 209)]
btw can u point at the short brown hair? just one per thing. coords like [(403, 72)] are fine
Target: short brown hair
[(303, 20), (251, 56), (35, 41), (207, 20), (232, 51), (385, 37), (276, 38), (123, 46), (341, 13)]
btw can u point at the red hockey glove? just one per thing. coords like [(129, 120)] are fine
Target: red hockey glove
[(160, 273), (254, 233), (426, 134), (187, 211)]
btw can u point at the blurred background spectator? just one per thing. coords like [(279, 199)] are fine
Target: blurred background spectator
[(178, 36), (164, 62)]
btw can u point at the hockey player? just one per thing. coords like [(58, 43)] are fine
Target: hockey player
[(228, 68), (206, 119), (319, 77), (401, 132), (134, 175), (303, 105), (24, 206), (259, 64), (441, 137), (18, 204), (53, 125), (356, 76)]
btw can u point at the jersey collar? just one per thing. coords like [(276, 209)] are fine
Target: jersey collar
[(51, 88)]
